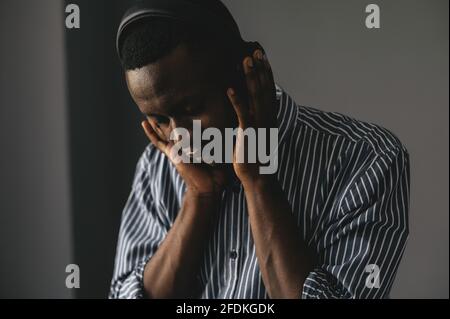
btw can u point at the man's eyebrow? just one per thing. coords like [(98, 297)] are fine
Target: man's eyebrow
[(183, 102), (176, 107)]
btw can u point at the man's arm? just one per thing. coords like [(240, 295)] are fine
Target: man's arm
[(374, 222), (170, 272), (283, 257), (360, 246)]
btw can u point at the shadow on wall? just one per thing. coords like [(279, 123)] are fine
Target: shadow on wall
[(105, 141)]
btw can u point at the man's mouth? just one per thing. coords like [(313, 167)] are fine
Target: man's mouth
[(196, 156)]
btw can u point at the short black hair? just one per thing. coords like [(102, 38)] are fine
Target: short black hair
[(149, 40)]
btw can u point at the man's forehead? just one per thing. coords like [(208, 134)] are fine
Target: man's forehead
[(154, 95), (169, 81)]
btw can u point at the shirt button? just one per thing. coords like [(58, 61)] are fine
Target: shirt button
[(233, 254)]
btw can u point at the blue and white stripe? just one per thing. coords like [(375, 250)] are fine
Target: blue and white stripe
[(348, 186)]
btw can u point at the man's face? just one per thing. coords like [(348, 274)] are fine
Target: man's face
[(182, 87)]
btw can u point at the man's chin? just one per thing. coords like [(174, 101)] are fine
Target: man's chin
[(212, 164), (217, 165)]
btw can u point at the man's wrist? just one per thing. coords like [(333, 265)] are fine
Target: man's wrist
[(259, 183), (196, 194)]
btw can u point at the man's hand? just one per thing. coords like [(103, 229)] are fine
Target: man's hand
[(200, 179), (284, 261), (169, 273), (258, 112)]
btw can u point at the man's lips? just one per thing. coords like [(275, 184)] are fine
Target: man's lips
[(196, 155)]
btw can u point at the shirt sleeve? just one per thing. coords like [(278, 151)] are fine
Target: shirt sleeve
[(140, 234), (360, 247)]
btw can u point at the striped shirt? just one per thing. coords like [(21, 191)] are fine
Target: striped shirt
[(346, 181)]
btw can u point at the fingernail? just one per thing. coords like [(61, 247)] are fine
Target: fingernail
[(231, 92), (250, 62)]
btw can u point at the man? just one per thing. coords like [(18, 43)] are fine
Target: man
[(332, 222)]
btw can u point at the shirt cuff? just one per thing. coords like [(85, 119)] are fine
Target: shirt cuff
[(322, 285), (131, 287)]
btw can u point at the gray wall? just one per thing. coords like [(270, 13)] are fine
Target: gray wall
[(35, 233), (396, 76), (106, 140), (68, 155)]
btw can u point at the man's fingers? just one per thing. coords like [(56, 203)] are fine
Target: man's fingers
[(261, 70), (252, 81), (239, 107), (269, 72), (267, 84), (153, 137)]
